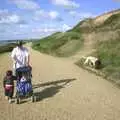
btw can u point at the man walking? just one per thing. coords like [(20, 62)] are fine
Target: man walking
[(20, 56)]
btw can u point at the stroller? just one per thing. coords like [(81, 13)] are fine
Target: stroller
[(24, 84)]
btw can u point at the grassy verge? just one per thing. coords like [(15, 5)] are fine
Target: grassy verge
[(60, 44), (7, 47), (109, 53)]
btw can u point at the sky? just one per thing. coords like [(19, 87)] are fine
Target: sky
[(29, 19)]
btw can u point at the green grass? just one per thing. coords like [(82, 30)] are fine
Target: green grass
[(88, 26), (113, 20), (112, 23), (60, 44), (85, 26), (109, 54), (7, 47)]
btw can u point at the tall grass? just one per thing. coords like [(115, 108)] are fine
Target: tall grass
[(59, 44), (109, 53)]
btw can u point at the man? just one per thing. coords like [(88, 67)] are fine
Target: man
[(20, 56)]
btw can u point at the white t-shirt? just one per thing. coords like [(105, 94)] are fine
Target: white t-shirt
[(21, 57)]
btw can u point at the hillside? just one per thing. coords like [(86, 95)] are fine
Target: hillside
[(107, 21), (98, 36), (85, 33), (105, 39), (60, 44)]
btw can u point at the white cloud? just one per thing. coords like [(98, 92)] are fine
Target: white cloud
[(66, 3), (14, 18), (45, 30), (52, 29), (66, 27), (40, 13), (81, 15), (73, 13), (52, 15), (7, 18), (23, 26), (26, 4)]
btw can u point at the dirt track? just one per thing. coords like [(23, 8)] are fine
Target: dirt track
[(64, 92)]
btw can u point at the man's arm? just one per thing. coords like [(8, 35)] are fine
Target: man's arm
[(28, 62), (13, 56), (27, 57)]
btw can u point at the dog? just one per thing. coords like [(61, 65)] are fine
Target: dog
[(92, 61)]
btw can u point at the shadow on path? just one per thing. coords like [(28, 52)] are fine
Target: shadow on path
[(52, 88)]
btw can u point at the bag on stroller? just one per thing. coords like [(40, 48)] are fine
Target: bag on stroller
[(24, 88)]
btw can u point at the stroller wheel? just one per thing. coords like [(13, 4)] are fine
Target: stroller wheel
[(17, 100), (33, 98)]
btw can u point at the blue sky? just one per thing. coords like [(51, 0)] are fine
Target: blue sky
[(25, 19)]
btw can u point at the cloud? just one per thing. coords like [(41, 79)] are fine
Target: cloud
[(23, 26), (52, 15), (8, 18), (66, 3), (52, 28), (45, 30), (81, 15), (66, 27), (26, 4)]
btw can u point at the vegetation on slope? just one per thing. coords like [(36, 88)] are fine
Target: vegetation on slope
[(107, 44), (109, 50), (60, 44), (109, 53), (111, 24), (7, 47)]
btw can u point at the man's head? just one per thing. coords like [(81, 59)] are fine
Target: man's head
[(20, 44)]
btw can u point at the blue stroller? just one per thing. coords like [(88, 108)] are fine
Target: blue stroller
[(24, 84)]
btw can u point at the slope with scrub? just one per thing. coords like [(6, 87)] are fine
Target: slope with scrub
[(60, 44), (101, 34), (106, 38)]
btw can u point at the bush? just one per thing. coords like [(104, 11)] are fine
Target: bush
[(7, 47)]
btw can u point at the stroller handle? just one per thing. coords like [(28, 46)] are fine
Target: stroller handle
[(24, 69)]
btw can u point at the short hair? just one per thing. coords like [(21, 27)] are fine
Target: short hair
[(9, 73), (20, 43)]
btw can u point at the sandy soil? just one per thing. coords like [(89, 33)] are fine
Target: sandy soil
[(64, 92)]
